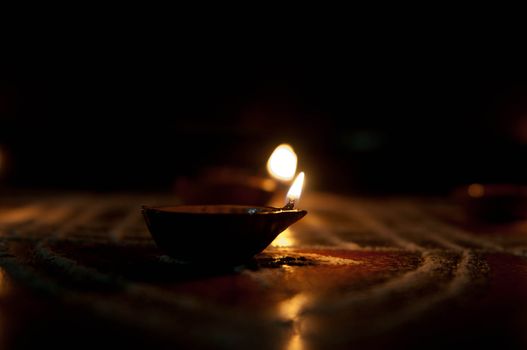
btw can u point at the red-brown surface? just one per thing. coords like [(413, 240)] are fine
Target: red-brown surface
[(81, 271)]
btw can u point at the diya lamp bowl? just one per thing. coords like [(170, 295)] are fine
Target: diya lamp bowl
[(231, 223), (223, 234)]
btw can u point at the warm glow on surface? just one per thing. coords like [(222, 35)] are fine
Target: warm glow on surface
[(282, 163), (476, 191), (296, 188), (284, 239), (295, 342), (19, 215), (291, 310)]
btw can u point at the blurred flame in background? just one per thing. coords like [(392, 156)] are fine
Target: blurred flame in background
[(282, 163)]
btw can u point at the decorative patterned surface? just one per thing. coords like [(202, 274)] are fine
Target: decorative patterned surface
[(355, 272)]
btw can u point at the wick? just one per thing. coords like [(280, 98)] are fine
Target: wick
[(290, 204)]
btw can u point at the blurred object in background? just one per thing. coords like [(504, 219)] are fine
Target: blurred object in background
[(493, 202), (230, 185), (4, 165), (225, 186)]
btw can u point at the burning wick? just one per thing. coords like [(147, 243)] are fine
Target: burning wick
[(294, 192)]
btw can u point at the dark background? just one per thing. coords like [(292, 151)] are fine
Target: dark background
[(361, 118)]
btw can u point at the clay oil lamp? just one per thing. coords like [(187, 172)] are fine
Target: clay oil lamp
[(223, 234)]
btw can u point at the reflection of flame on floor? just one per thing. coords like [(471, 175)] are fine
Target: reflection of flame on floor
[(295, 343), (285, 239), (291, 309)]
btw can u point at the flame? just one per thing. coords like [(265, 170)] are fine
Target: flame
[(282, 163), (296, 188)]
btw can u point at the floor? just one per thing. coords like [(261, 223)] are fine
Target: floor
[(81, 270)]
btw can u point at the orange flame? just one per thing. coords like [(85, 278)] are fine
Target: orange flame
[(296, 188)]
